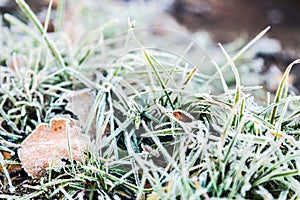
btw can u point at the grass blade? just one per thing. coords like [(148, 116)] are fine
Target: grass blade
[(280, 92), (53, 49)]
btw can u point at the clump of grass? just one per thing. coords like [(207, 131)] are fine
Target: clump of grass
[(170, 134)]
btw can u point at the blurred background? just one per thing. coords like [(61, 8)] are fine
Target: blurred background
[(224, 20), (209, 21)]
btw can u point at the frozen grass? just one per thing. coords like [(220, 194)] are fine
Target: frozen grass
[(171, 135)]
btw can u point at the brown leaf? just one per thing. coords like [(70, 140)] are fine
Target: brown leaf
[(55, 3), (10, 167), (16, 63), (80, 103), (48, 146)]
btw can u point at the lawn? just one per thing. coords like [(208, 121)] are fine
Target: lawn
[(110, 109)]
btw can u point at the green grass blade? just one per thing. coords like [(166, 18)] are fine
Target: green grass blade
[(280, 92), (162, 84), (60, 15), (236, 75), (53, 49)]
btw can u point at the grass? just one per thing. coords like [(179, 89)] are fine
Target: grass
[(173, 133)]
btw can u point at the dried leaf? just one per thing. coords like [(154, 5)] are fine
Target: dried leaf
[(17, 63), (10, 167), (55, 3), (48, 146), (80, 103)]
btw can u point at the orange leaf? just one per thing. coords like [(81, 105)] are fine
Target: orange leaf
[(48, 146), (10, 167)]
